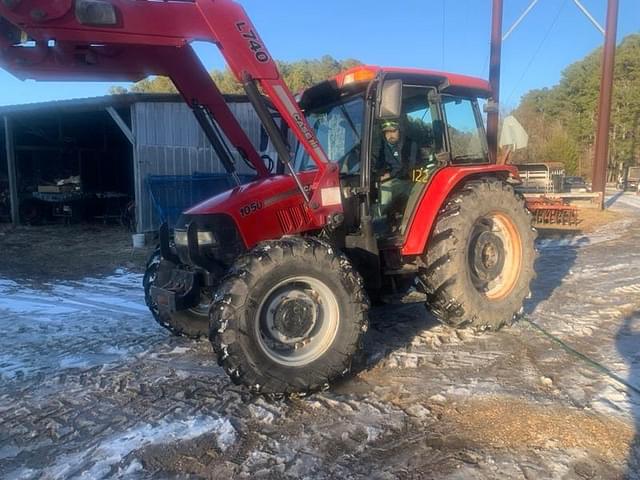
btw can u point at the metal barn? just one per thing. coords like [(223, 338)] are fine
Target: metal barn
[(91, 158)]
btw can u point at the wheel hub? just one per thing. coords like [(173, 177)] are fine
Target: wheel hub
[(297, 321), (488, 256), (294, 318)]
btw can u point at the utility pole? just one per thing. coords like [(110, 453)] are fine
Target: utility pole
[(604, 109), (493, 110)]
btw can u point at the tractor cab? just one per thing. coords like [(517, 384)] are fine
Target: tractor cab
[(390, 131)]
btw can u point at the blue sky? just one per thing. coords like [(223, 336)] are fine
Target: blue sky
[(404, 33)]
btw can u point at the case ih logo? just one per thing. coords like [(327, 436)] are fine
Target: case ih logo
[(305, 130)]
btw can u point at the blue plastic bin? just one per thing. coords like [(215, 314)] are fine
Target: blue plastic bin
[(173, 194)]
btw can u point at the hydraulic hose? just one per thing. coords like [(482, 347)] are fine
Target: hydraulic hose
[(592, 363)]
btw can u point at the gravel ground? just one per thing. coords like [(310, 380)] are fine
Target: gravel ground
[(91, 388)]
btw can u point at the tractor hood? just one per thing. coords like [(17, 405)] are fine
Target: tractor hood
[(263, 209)]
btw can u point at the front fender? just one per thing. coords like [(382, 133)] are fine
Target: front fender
[(443, 183)]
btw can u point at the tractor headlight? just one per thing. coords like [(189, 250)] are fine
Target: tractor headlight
[(96, 12), (205, 239)]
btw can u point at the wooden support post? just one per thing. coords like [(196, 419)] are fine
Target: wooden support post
[(122, 125), (493, 106), (11, 171), (599, 180)]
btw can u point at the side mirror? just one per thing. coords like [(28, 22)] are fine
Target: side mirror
[(264, 139), (390, 100)]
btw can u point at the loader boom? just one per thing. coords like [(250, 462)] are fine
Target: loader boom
[(129, 40)]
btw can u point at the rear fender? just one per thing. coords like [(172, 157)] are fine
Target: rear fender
[(444, 182)]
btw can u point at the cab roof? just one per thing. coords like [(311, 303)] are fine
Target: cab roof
[(449, 82)]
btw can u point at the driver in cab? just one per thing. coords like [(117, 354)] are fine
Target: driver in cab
[(397, 158)]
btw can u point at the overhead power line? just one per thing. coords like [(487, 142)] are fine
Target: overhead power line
[(537, 51), (584, 10), (519, 20), (512, 28)]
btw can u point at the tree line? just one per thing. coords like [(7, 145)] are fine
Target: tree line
[(561, 121), (297, 75)]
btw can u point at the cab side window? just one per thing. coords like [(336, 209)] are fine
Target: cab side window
[(468, 143)]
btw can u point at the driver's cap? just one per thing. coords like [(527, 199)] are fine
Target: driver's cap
[(390, 125)]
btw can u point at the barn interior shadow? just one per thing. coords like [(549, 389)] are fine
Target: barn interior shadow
[(628, 345)]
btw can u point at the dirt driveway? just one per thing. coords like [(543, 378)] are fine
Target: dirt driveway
[(91, 388)]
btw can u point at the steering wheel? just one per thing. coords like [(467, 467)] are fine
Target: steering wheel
[(385, 180), (354, 152), (270, 163)]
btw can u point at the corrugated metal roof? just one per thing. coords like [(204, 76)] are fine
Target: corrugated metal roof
[(100, 103)]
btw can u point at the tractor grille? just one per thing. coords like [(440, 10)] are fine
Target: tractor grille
[(229, 244), (292, 219)]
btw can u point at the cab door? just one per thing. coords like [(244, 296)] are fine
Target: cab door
[(406, 151)]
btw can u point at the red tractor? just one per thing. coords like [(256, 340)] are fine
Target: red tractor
[(388, 191)]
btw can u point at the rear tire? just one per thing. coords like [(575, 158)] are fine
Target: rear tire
[(192, 323), (289, 317), (480, 257)]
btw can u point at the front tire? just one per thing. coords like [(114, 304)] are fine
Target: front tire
[(290, 317), (193, 323), (480, 258)]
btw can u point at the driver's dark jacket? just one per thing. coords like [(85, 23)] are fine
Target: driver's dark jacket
[(397, 159)]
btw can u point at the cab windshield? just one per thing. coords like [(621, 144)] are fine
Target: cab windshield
[(339, 131)]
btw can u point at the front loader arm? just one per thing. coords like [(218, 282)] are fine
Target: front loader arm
[(141, 38)]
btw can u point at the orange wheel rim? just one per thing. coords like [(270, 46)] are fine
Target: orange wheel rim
[(495, 255)]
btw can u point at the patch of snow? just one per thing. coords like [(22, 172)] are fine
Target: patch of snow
[(131, 471), (23, 474), (73, 361), (611, 232), (4, 283), (33, 305), (120, 293), (373, 433), (179, 351), (261, 414), (99, 461), (115, 350), (438, 398), (9, 451), (628, 200), (418, 411)]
